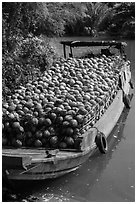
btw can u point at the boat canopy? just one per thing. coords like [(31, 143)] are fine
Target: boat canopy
[(72, 44), (93, 43)]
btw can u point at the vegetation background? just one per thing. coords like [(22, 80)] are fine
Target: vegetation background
[(27, 28)]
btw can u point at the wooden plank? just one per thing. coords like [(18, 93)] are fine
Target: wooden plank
[(30, 177), (93, 43), (28, 151)]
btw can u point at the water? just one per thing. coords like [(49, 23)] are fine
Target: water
[(103, 178)]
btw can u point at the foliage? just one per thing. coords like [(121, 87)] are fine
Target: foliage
[(123, 19), (37, 18), (116, 18), (74, 14), (30, 57), (98, 15), (24, 17), (59, 18)]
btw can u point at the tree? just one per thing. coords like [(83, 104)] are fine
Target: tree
[(123, 19), (98, 15)]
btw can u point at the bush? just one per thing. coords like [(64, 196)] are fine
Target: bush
[(30, 57), (35, 51)]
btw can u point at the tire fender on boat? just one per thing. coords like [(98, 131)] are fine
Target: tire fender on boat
[(101, 142)]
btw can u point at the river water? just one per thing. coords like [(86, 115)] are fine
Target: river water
[(103, 178)]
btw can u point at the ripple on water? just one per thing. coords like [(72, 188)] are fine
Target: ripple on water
[(54, 198)]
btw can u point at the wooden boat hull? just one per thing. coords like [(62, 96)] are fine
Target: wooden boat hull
[(32, 164)]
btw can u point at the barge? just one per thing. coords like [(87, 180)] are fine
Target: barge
[(43, 163)]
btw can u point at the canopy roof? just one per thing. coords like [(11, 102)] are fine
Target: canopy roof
[(93, 43)]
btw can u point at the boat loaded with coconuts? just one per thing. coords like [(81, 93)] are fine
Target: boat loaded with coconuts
[(52, 125)]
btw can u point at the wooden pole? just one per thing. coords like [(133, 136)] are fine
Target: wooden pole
[(64, 48), (71, 53)]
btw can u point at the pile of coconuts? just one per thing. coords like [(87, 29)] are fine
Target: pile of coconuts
[(51, 111)]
